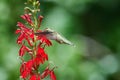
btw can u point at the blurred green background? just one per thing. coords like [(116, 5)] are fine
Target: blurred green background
[(92, 25)]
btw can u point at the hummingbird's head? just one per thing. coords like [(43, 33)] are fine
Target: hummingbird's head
[(49, 30)]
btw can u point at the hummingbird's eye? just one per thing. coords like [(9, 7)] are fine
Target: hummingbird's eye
[(46, 31)]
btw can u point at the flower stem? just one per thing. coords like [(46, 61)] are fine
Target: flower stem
[(35, 29), (35, 25)]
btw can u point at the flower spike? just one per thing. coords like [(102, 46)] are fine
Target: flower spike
[(32, 45)]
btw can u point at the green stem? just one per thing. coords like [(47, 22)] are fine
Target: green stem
[(35, 30), (35, 26)]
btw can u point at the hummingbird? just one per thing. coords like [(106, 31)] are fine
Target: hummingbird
[(53, 35)]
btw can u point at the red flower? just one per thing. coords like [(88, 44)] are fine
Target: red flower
[(26, 68), (41, 53), (25, 33), (41, 56), (40, 20), (44, 40), (29, 69), (48, 72), (23, 49), (45, 73), (17, 31), (35, 77), (52, 75), (20, 38), (27, 17), (23, 72), (22, 26)]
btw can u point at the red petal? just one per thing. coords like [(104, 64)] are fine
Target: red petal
[(38, 78), (20, 25), (22, 50), (40, 57), (29, 42), (32, 35), (45, 40), (27, 18), (33, 77), (37, 61), (26, 69), (22, 68), (24, 74), (20, 39), (52, 75), (45, 73), (27, 49), (41, 53), (46, 56), (23, 17), (17, 31), (40, 20), (29, 64)]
